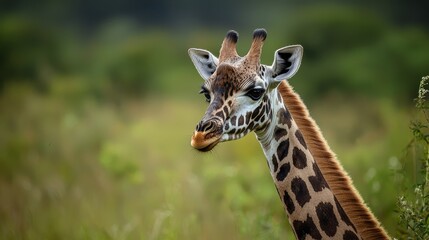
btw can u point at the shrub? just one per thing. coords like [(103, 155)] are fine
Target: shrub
[(414, 209)]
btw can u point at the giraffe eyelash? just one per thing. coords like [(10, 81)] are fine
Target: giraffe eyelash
[(206, 93), (255, 93)]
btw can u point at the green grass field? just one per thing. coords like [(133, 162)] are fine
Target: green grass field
[(125, 170)]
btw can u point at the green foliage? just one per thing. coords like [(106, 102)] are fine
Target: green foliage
[(330, 29), (25, 47), (349, 49), (124, 62), (414, 207), (114, 159)]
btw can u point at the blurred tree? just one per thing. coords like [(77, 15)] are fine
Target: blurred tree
[(27, 49), (348, 50)]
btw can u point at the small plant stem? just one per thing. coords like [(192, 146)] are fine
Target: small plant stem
[(426, 184)]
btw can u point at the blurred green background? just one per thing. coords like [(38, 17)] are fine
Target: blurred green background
[(98, 101)]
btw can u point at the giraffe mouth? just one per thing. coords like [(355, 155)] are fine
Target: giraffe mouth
[(202, 144), (208, 147), (234, 136)]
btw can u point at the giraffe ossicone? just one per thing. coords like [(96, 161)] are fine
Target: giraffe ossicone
[(246, 96)]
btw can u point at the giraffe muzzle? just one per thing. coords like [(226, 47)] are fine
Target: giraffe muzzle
[(207, 135)]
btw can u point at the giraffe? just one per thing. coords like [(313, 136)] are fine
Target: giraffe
[(244, 96)]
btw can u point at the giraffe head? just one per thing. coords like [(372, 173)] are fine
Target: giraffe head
[(239, 90)]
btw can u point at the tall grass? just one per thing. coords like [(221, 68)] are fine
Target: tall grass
[(78, 168)]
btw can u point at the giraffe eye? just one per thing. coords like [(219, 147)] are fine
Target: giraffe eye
[(255, 93), (206, 94)]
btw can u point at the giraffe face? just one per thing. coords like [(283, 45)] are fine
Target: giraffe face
[(239, 90), (238, 104)]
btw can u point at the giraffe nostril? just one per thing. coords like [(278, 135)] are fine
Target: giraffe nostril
[(198, 127), (207, 126)]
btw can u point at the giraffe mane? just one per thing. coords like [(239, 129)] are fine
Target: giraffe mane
[(338, 180)]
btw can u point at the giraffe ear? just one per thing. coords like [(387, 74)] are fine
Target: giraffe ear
[(286, 62), (205, 62)]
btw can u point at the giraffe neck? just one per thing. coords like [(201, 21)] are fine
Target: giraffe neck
[(311, 206)]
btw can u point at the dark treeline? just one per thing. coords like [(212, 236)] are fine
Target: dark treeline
[(185, 13)]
